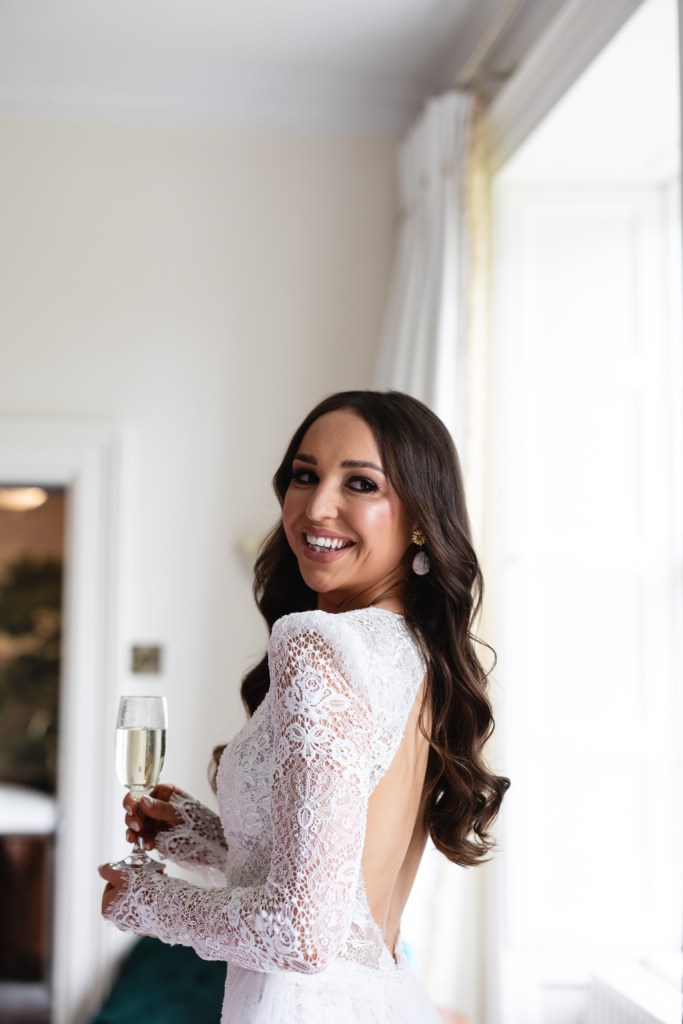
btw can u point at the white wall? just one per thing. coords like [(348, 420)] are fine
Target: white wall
[(202, 290)]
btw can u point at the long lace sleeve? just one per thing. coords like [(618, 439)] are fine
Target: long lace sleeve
[(197, 842), (298, 918)]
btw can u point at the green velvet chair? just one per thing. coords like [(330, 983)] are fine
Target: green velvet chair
[(160, 984)]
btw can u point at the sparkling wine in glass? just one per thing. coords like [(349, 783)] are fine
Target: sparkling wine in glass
[(140, 750)]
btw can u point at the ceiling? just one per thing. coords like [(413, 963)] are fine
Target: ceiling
[(355, 66)]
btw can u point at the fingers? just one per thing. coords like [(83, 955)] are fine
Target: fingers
[(164, 792), (147, 840), (159, 809), (149, 818), (136, 824), (108, 873), (161, 792), (150, 815), (117, 882), (140, 828)]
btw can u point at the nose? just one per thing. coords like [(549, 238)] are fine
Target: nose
[(322, 503)]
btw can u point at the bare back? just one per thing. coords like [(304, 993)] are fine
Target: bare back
[(395, 836)]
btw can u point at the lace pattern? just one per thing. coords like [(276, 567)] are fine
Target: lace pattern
[(197, 842), (293, 789)]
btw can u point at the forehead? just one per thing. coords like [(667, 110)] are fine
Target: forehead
[(341, 432)]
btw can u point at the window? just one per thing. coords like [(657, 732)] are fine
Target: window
[(588, 402)]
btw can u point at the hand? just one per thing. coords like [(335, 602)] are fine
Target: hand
[(152, 814), (117, 883)]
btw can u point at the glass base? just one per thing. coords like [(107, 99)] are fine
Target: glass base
[(138, 861)]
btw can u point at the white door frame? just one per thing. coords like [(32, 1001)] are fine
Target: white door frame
[(82, 457)]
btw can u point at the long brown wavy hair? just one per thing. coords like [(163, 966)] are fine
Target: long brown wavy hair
[(462, 796)]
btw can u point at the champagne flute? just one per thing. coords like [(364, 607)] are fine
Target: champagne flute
[(140, 751)]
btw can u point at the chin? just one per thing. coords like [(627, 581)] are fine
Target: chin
[(315, 584)]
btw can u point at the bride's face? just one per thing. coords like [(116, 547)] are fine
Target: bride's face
[(343, 519)]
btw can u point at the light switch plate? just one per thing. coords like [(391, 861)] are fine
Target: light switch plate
[(146, 660)]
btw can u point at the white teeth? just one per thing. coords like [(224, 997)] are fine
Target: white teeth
[(323, 543)]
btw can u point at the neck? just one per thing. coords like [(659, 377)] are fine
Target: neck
[(386, 593)]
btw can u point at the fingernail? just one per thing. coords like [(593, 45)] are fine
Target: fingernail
[(134, 825), (146, 801)]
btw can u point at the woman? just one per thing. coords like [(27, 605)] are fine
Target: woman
[(369, 715)]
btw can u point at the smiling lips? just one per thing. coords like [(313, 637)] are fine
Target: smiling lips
[(324, 546)]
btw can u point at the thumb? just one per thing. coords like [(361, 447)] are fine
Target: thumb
[(162, 791), (160, 810)]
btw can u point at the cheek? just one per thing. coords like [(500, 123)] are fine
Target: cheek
[(401, 530), (289, 513), (389, 525)]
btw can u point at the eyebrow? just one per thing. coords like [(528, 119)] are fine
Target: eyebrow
[(346, 464)]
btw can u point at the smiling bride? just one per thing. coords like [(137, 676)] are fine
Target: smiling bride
[(369, 714)]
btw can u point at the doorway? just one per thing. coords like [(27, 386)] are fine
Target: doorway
[(82, 460), (32, 550)]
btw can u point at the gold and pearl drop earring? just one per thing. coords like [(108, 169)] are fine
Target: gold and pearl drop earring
[(421, 560)]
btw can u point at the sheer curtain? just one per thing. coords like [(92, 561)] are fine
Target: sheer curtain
[(433, 347), (424, 328)]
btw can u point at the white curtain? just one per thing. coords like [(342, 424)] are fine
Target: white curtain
[(432, 347), (421, 349)]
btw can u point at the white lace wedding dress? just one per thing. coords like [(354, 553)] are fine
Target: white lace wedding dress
[(289, 911)]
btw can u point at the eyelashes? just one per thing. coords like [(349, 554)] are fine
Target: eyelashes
[(363, 484), (303, 476), (358, 484)]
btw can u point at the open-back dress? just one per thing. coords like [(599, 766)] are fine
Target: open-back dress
[(288, 909)]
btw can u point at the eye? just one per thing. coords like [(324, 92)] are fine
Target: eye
[(303, 476), (362, 484)]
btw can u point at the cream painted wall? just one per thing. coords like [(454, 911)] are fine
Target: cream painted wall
[(201, 290)]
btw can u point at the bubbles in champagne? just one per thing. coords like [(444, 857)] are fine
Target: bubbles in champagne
[(140, 758)]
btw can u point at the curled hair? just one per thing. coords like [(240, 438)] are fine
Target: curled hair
[(462, 796)]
